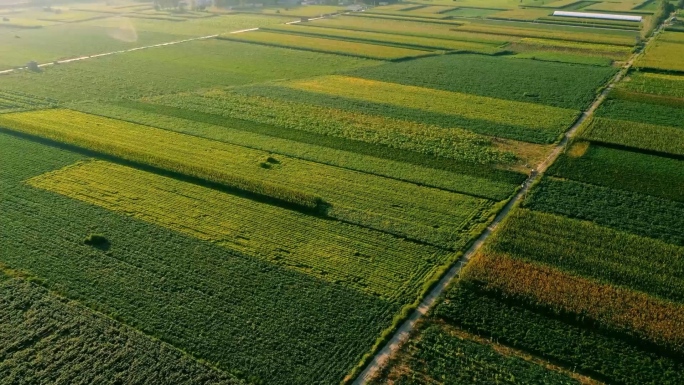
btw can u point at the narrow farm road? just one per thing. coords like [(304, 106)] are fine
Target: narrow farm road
[(401, 335)]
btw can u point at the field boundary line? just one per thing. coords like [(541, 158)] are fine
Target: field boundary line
[(402, 334)]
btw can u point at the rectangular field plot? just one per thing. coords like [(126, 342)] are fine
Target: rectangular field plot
[(647, 320), (408, 28), (388, 39), (433, 354), (628, 211), (589, 351), (368, 260), (615, 52), (550, 121), (625, 170), (669, 86), (641, 136), (441, 218), (191, 65), (41, 331), (666, 53), (316, 44), (598, 35), (620, 108), (586, 249), (523, 81)]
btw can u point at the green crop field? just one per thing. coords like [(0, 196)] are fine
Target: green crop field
[(485, 76), (640, 136), (622, 210), (233, 192), (41, 331), (325, 45), (621, 169), (388, 39)]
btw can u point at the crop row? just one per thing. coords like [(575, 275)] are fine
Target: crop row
[(296, 113), (462, 177), (244, 315), (625, 170), (316, 44), (637, 97), (606, 358), (648, 113), (523, 81), (643, 136), (438, 355), (622, 210), (407, 28), (586, 249), (439, 217), (602, 306), (429, 43), (16, 101), (548, 121), (47, 340)]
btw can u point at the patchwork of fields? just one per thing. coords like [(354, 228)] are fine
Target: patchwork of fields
[(584, 277), (265, 203)]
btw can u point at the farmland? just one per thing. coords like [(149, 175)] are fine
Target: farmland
[(238, 193), (584, 276)]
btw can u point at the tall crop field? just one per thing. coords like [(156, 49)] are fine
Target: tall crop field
[(602, 356), (46, 339)]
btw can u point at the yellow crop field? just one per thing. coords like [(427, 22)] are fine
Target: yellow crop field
[(370, 51), (442, 218), (331, 250), (654, 319), (663, 54), (535, 116), (617, 50)]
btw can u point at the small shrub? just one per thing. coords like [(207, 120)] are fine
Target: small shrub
[(97, 241)]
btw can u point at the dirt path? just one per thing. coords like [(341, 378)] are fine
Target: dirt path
[(402, 333)]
